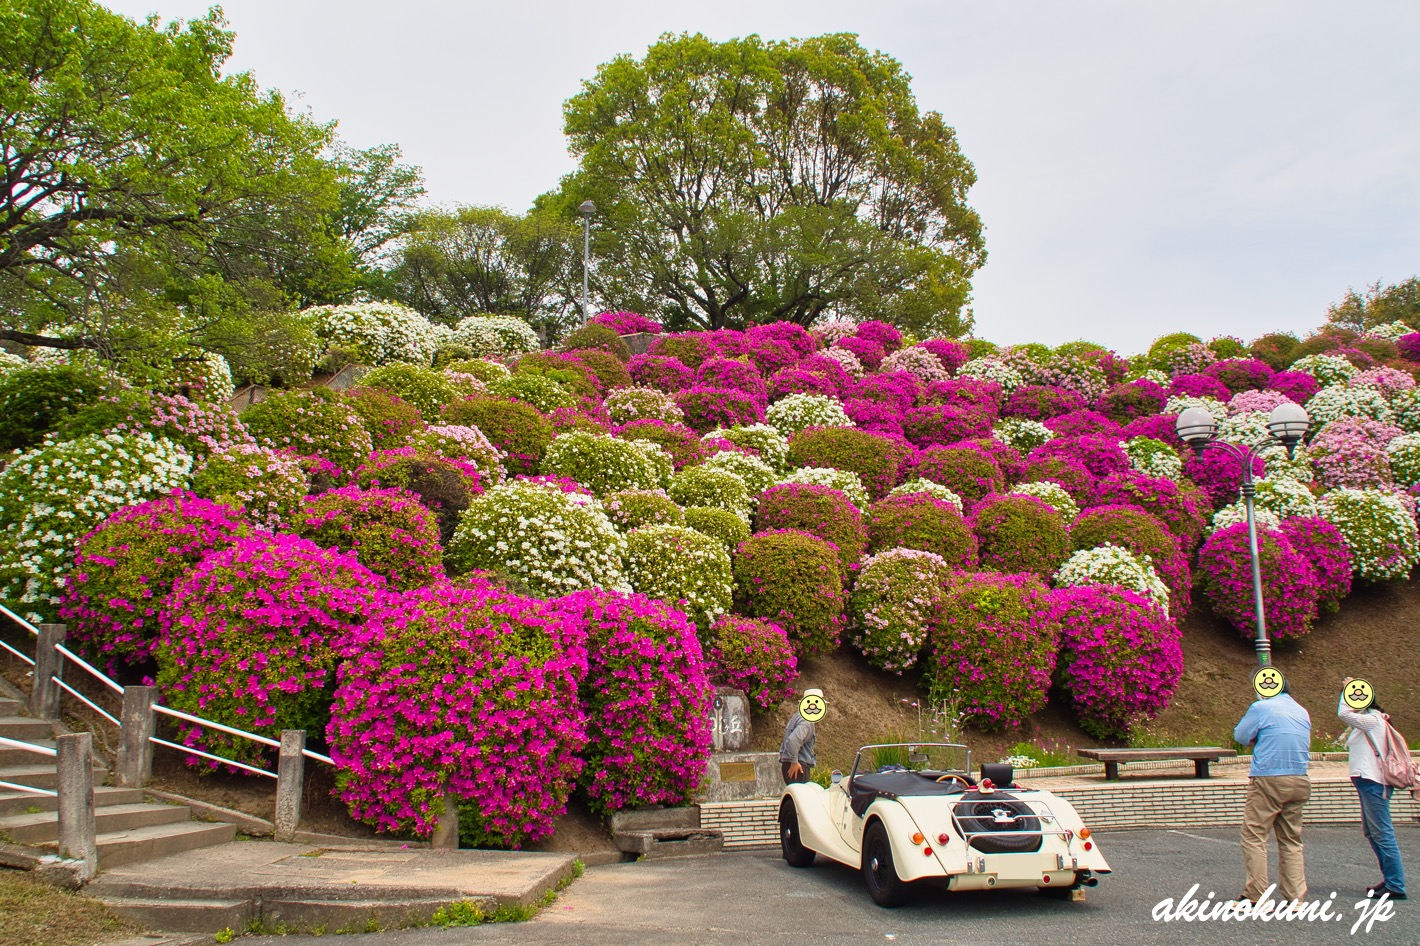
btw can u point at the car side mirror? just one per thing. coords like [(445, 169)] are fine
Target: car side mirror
[(835, 777)]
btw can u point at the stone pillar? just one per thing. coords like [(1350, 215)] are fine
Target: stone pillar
[(78, 831), (729, 721), (137, 726), (49, 663), (290, 781), (446, 835)]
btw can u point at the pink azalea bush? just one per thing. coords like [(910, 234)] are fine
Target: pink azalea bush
[(950, 353), (1289, 585), (627, 323), (754, 657), (796, 380), (1120, 658), (646, 698), (968, 471), (1016, 533), (993, 641), (661, 372), (794, 579), (1175, 506), (1219, 474), (939, 424), (1038, 402), (870, 353), (459, 691), (387, 530), (1100, 455), (921, 521), (893, 599), (735, 375), (1296, 385), (817, 510), (1241, 374), (1322, 546), (1199, 385), (707, 408), (1131, 400)]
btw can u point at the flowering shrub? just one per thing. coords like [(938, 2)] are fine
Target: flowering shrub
[(1131, 528), (250, 638), (444, 486), (628, 404), (1198, 386), (1053, 495), (1112, 565), (682, 444), (944, 424), (1284, 498), (1378, 531), (754, 657), (1409, 346), (1037, 402), (874, 416), (494, 336), (967, 471), (1022, 435), (127, 565), (427, 389), (993, 370), (1404, 455), (377, 333), (1219, 474), (662, 373), (708, 408), (310, 425), (1388, 381), (1131, 401), (463, 443), (1289, 586), (846, 359), (1066, 472), (1297, 386), (389, 419), (793, 579), (1180, 353), (993, 641), (646, 698), (732, 374), (518, 430), (689, 348), (687, 570), (1019, 534), (387, 530), (756, 474), (1338, 401), (797, 380), (1326, 369), (869, 353), (539, 391), (1241, 374), (633, 508), (1153, 457), (461, 691), (704, 486), (552, 541), (1120, 658), (876, 459), (601, 463), (1082, 424), (893, 598), (1237, 512), (952, 354), (264, 486), (819, 511), (594, 337), (925, 522), (1101, 456), (1176, 507), (727, 528), (52, 496), (1322, 547), (880, 332), (1345, 454), (828, 331), (799, 411), (627, 323), (918, 362), (845, 481), (767, 443), (569, 371)]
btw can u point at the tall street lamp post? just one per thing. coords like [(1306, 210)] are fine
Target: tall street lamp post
[(1288, 424), (587, 208)]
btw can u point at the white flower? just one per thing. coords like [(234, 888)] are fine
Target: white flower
[(847, 482), (800, 411), (1112, 565), (1053, 495)]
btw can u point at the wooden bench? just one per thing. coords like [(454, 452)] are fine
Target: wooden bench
[(1114, 758)]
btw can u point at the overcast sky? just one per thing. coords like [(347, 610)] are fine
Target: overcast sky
[(1215, 167)]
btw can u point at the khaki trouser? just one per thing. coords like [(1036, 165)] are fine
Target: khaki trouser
[(1275, 803)]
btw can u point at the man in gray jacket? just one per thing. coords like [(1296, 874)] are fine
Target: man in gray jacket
[(796, 752)]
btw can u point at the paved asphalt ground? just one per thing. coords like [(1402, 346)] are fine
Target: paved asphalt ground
[(755, 898)]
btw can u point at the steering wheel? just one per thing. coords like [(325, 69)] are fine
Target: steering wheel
[(959, 778)]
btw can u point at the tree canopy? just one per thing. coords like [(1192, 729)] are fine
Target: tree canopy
[(749, 181), (1378, 305)]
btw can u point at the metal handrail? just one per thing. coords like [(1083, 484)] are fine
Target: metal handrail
[(19, 620), (88, 702), (28, 788), (95, 673), (28, 747), (317, 756), (207, 755), (21, 654), (209, 724)]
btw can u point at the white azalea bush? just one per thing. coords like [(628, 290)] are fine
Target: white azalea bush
[(601, 463), (1390, 330), (1112, 565), (1378, 530), (1021, 434), (210, 377), (1234, 513), (494, 336), (9, 362), (772, 446), (1279, 466), (892, 603), (686, 569), (800, 411), (1284, 496), (1179, 403), (377, 332), (1245, 427), (267, 487), (469, 444), (1053, 495), (627, 404), (1153, 458), (704, 486), (542, 393), (1327, 369), (52, 496), (1404, 454), (918, 362), (757, 474), (633, 508), (847, 482), (851, 363), (1338, 401), (553, 541), (425, 388), (992, 369), (935, 490)]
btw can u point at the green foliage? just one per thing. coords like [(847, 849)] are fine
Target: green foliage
[(516, 428), (1275, 348), (425, 388), (682, 567), (601, 463), (577, 378), (481, 368), (310, 425), (633, 508), (541, 392), (599, 337), (877, 460), (923, 522), (793, 579), (389, 419), (265, 346), (696, 157), (609, 368), (702, 486), (33, 401), (1017, 533), (721, 524), (267, 487), (1378, 305)]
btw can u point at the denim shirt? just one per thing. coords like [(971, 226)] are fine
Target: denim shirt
[(1283, 732)]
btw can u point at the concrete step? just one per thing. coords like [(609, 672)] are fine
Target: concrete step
[(44, 826), (9, 707), (22, 727), (159, 840), (185, 916), (9, 756), (655, 819), (40, 776), (19, 803), (672, 842)]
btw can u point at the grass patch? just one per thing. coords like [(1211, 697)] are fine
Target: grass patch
[(36, 914)]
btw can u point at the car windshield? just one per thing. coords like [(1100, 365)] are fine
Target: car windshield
[(916, 757)]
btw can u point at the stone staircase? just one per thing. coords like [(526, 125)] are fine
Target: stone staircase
[(129, 828)]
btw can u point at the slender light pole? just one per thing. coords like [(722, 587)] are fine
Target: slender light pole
[(587, 208), (1288, 424)]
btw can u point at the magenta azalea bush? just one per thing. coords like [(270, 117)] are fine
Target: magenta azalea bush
[(388, 530), (127, 565), (817, 510), (466, 692), (925, 522), (967, 470), (1289, 585), (754, 657), (706, 408), (250, 637), (794, 579), (1176, 507), (1321, 544), (1120, 658), (993, 643), (646, 698), (627, 323), (1130, 527), (1016, 533)]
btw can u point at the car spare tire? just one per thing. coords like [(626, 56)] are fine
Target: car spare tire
[(988, 817)]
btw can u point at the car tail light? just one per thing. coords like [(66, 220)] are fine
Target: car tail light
[(1084, 833), (1089, 845), (918, 838), (943, 839), (1045, 878), (927, 851)]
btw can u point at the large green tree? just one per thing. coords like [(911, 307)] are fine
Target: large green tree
[(749, 181), (147, 195), (1378, 305)]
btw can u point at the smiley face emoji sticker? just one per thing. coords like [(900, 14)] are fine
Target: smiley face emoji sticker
[(1358, 694), (813, 705), (1267, 682)]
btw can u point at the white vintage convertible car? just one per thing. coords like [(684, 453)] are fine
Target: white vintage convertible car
[(913, 812)]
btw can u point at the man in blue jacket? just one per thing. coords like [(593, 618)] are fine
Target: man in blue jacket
[(1280, 732)]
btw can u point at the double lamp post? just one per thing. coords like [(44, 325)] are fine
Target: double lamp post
[(1288, 424)]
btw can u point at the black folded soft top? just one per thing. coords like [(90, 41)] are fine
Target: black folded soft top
[(865, 788)]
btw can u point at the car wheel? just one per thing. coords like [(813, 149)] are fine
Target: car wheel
[(789, 842), (879, 872)]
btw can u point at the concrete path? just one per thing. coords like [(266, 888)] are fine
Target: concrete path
[(756, 900)]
